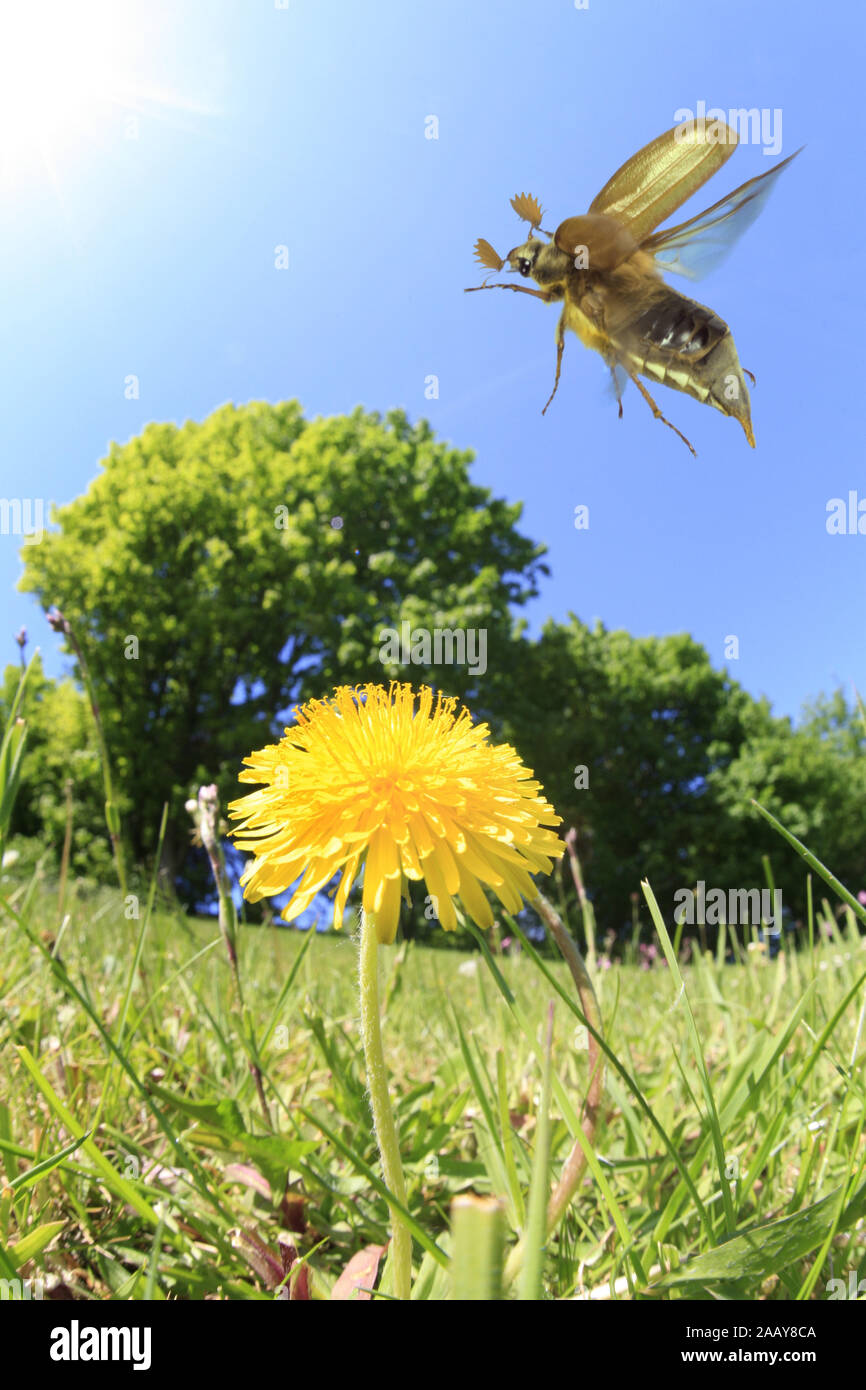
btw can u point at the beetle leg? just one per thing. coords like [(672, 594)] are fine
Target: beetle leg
[(518, 289), (560, 346), (656, 412), (751, 376)]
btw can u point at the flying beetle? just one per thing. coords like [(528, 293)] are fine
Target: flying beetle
[(605, 268)]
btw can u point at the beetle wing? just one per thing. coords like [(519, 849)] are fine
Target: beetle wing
[(659, 178), (699, 245)]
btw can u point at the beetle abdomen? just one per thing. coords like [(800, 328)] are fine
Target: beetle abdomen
[(684, 345), (680, 325)]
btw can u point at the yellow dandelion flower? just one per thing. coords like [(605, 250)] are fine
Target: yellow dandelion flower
[(365, 778)]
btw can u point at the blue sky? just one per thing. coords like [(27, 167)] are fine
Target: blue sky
[(148, 249)]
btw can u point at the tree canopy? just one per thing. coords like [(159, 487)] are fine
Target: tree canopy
[(60, 782), (655, 756)]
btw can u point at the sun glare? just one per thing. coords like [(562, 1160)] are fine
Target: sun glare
[(74, 77), (58, 65)]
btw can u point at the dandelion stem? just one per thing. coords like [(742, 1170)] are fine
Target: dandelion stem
[(586, 909), (380, 1103)]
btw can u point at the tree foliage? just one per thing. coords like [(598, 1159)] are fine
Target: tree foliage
[(813, 779), (60, 783), (654, 756)]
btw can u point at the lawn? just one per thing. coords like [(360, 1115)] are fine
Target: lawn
[(140, 1163)]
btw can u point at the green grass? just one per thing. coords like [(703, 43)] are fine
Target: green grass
[(138, 1163)]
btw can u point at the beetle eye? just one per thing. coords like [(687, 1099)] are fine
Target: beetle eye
[(524, 266)]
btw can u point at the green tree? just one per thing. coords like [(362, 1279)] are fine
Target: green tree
[(625, 732), (813, 779), (217, 573), (60, 781), (655, 756)]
